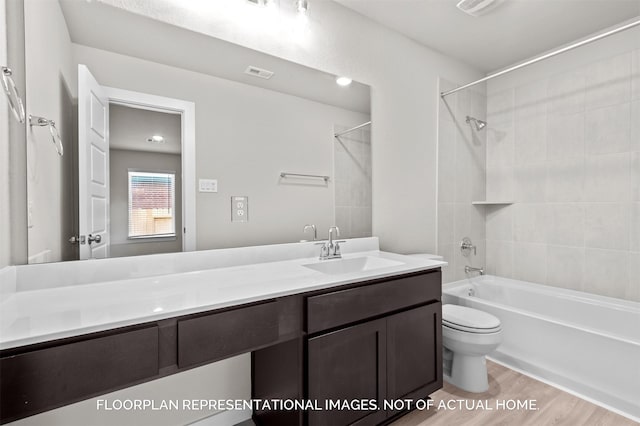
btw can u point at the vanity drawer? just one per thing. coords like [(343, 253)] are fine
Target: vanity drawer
[(48, 378), (338, 308), (216, 336)]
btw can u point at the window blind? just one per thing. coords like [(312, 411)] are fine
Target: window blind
[(151, 204)]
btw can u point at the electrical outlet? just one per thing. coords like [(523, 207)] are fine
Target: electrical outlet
[(208, 185), (239, 208)]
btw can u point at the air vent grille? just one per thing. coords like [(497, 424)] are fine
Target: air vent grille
[(258, 72)]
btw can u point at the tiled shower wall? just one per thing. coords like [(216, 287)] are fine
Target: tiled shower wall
[(566, 150), (461, 179), (352, 164)]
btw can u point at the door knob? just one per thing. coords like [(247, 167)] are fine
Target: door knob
[(94, 238)]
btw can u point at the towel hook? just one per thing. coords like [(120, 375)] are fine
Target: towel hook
[(55, 135), (13, 96)]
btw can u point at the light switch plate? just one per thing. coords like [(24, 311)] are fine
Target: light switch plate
[(239, 208), (208, 185)]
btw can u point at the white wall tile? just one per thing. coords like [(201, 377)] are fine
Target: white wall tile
[(608, 82), (635, 75), (634, 226), (499, 223), (343, 193), (477, 220), (607, 130), (565, 180), (635, 176), (530, 183), (500, 144), (445, 223), (530, 222), (606, 272), (565, 92), (530, 140), (461, 220), (500, 183), (607, 177), (607, 225), (500, 258), (566, 224), (343, 221), (530, 262), (500, 107), (530, 100), (360, 222), (565, 137), (478, 105), (633, 285), (565, 267), (634, 142)]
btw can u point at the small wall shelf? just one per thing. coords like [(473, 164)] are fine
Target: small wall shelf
[(491, 203)]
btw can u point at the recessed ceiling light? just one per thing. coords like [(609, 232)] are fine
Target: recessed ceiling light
[(156, 139), (343, 81)]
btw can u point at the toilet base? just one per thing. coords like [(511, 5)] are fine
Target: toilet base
[(469, 373)]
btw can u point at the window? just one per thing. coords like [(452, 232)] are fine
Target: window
[(151, 204)]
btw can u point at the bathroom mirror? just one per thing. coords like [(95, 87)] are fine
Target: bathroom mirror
[(200, 142)]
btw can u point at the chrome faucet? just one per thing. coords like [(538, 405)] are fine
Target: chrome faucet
[(331, 249), (315, 231), (468, 269)]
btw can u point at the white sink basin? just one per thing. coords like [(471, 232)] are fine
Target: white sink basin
[(347, 266)]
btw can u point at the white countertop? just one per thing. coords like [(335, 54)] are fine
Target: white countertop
[(34, 316)]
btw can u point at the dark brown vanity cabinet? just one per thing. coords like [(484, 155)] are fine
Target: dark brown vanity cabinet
[(395, 355), (360, 343)]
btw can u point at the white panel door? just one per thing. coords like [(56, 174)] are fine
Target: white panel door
[(93, 166)]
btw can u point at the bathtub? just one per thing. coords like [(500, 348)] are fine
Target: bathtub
[(584, 343)]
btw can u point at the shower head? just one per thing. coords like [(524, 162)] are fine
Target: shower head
[(478, 123)]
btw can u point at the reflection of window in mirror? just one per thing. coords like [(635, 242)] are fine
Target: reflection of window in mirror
[(151, 204)]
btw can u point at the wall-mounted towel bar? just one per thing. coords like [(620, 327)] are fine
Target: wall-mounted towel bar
[(55, 135), (13, 96), (344, 132), (285, 175)]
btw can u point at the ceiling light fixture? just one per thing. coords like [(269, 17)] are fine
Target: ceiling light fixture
[(302, 6), (343, 81)]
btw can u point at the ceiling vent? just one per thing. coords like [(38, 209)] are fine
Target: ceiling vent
[(477, 7), (258, 72)]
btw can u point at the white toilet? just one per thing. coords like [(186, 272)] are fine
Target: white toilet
[(467, 336)]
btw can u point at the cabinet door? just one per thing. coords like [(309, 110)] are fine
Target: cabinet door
[(414, 354), (348, 365)]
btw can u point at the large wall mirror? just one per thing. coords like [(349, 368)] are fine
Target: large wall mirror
[(172, 140)]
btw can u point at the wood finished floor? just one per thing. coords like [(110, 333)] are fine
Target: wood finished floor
[(555, 407)]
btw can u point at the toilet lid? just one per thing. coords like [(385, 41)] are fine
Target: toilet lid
[(469, 319)]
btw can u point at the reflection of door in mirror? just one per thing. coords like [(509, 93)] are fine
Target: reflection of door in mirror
[(145, 181)]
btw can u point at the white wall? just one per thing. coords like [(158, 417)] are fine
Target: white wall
[(564, 145), (120, 161), (403, 76), (51, 81)]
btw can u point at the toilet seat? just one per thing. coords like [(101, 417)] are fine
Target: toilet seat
[(469, 320)]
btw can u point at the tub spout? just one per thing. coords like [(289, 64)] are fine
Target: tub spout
[(468, 269)]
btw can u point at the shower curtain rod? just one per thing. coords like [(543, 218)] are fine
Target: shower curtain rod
[(335, 135), (545, 56)]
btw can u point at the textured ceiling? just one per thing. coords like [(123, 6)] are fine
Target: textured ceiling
[(513, 31)]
